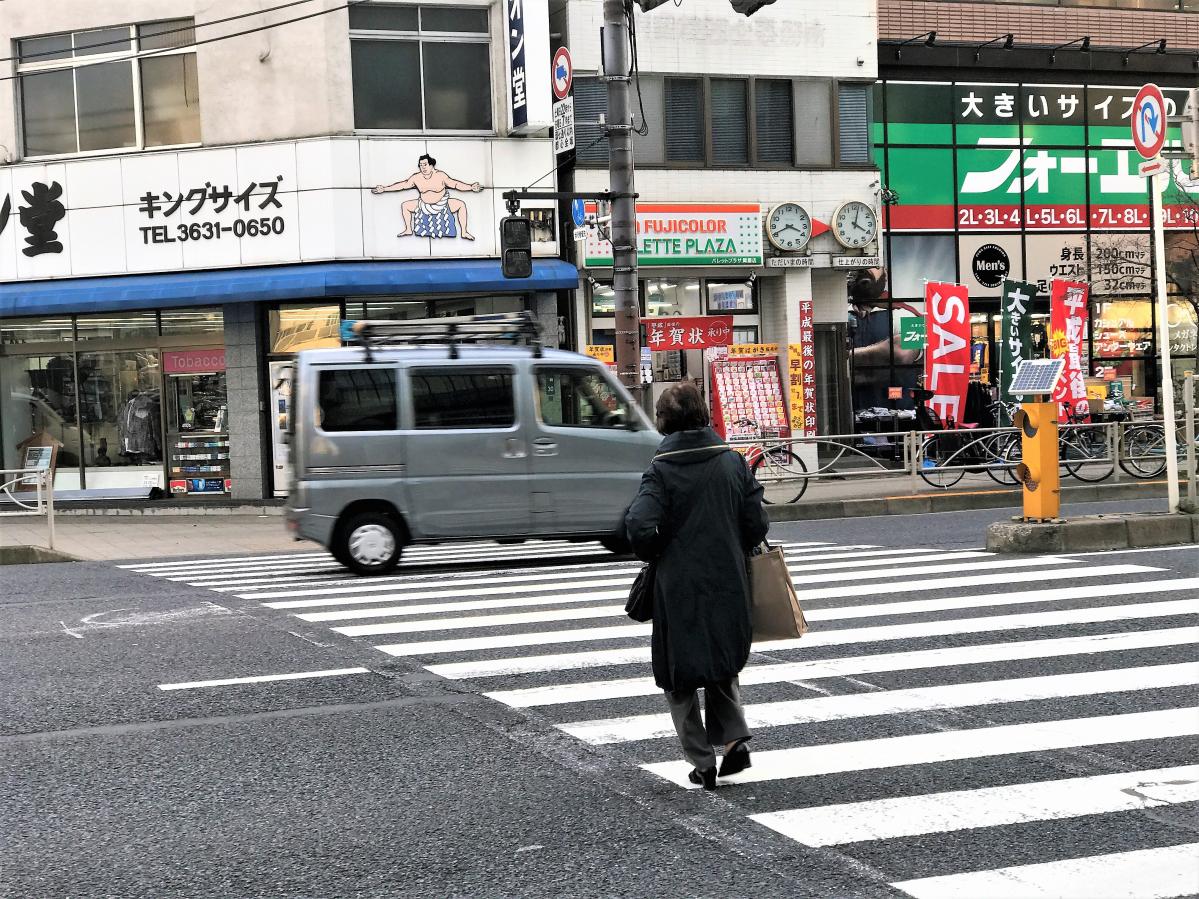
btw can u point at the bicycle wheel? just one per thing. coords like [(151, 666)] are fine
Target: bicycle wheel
[(1005, 451), (1084, 459), (778, 467), (932, 458), (1144, 452)]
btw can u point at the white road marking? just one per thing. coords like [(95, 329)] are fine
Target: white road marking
[(896, 566), (464, 606), (906, 816), (890, 661), (897, 571), (262, 678), (1161, 873), (915, 699), (943, 746), (595, 691)]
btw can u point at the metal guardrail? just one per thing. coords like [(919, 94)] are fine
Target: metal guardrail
[(940, 458), (12, 480)]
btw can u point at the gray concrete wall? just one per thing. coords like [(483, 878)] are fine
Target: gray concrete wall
[(243, 366)]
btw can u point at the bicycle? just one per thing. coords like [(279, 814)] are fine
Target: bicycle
[(773, 463), (1083, 447), (961, 449), (1143, 449)]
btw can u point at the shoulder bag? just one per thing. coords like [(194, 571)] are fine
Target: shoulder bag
[(774, 603), (640, 605)]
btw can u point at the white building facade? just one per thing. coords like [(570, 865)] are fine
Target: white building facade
[(192, 192), (745, 119)]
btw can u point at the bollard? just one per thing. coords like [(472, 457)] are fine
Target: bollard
[(1038, 471), (48, 481)]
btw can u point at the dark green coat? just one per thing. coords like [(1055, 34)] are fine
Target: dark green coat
[(702, 630)]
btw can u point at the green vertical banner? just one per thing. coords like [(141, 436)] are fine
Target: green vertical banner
[(1015, 337)]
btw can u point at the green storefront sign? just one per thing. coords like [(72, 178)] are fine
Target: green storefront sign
[(913, 333)]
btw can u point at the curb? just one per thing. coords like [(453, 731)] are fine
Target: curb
[(956, 501), (1094, 533), (29, 555)]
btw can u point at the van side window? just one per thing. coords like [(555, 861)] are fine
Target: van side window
[(579, 398), (357, 399), (462, 398)]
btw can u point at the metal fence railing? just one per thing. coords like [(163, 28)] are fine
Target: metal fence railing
[(31, 492), (1089, 453)]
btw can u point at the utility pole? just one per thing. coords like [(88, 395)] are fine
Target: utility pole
[(623, 228)]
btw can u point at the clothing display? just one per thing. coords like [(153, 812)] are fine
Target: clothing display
[(138, 425)]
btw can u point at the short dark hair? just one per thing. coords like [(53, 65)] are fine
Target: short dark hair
[(424, 156), (681, 408)]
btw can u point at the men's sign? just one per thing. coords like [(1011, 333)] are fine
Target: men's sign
[(676, 332), (1067, 329), (689, 234), (1015, 337), (947, 360)]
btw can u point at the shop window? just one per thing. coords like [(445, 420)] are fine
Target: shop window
[(69, 104), (120, 413), (684, 120), (38, 407), (192, 321), (295, 328), (458, 398), (917, 258), (116, 325), (603, 300), (1122, 328), (814, 141), (738, 297), (745, 334), (394, 310), (775, 122), (579, 398), (853, 123), (58, 329), (358, 399), (730, 121), (672, 296), (421, 68)]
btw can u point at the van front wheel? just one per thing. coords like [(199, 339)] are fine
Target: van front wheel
[(369, 543)]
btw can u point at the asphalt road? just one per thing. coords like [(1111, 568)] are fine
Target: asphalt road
[(529, 757)]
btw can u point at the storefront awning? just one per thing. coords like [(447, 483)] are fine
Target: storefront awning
[(289, 283)]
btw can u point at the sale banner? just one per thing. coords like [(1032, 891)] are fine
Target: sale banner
[(1015, 338), (1067, 328), (676, 332), (947, 355)]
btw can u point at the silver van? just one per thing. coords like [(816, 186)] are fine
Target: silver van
[(430, 432)]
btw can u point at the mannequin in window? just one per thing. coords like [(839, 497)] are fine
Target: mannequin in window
[(137, 425)]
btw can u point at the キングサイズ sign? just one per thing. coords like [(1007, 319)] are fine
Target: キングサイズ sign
[(689, 234)]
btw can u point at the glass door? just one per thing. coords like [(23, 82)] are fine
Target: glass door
[(197, 433)]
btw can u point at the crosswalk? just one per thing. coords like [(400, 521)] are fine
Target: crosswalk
[(968, 724)]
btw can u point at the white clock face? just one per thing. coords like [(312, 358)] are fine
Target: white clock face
[(789, 226), (855, 224)]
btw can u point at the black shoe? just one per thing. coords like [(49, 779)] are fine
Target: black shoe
[(707, 777), (736, 759)]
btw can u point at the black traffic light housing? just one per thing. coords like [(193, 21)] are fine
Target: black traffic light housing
[(516, 246)]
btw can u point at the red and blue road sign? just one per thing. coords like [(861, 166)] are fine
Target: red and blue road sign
[(563, 73), (1149, 121)]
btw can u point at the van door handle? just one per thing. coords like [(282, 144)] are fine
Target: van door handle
[(544, 446), (514, 449)]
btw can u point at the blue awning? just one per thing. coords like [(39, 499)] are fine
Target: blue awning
[(314, 281)]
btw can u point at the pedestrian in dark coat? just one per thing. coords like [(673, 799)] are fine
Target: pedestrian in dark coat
[(697, 516)]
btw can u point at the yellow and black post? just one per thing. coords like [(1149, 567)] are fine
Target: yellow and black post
[(1038, 471)]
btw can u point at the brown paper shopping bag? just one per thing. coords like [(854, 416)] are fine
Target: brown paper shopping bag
[(776, 611)]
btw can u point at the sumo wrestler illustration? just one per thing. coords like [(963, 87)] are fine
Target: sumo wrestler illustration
[(434, 214)]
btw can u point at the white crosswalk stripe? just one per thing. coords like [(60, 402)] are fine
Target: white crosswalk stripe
[(919, 660)]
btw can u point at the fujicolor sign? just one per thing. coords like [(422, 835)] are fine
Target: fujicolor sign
[(689, 234)]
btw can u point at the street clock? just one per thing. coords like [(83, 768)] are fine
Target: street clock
[(855, 224), (789, 227)]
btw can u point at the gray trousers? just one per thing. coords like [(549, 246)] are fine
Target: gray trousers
[(725, 720)]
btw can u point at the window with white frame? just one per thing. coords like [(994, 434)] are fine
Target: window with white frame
[(421, 68), (127, 87)]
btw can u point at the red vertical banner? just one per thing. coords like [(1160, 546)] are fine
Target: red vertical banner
[(947, 355), (1067, 327), (801, 375)]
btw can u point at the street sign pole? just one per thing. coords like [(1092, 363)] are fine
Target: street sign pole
[(1156, 189)]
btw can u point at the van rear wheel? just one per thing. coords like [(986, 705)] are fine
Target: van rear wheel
[(369, 543)]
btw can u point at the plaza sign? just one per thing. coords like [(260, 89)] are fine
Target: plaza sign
[(688, 234)]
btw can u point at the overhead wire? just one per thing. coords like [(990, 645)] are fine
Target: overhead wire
[(157, 34), (197, 43)]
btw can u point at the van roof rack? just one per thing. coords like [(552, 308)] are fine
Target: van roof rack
[(517, 328)]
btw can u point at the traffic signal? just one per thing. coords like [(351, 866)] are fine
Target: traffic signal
[(1038, 471), (516, 246)]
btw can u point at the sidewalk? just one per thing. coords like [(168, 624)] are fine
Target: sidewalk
[(150, 530)]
